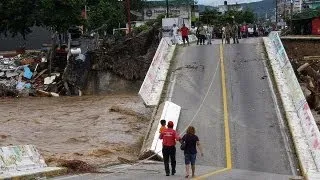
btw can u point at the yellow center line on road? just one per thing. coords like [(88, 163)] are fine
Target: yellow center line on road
[(226, 121)]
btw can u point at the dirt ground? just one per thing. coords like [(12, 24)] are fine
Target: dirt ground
[(94, 129), (297, 49)]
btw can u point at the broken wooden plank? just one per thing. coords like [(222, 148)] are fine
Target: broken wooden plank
[(42, 72), (311, 58)]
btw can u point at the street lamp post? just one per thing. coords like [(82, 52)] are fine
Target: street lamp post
[(167, 3)]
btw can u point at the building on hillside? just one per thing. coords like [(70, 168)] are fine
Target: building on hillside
[(297, 6), (311, 4), (307, 22), (287, 8), (229, 7)]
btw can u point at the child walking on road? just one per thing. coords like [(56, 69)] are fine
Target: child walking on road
[(163, 126)]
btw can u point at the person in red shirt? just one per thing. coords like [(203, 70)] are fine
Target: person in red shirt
[(184, 33), (169, 137)]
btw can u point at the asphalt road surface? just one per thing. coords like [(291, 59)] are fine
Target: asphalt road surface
[(237, 122)]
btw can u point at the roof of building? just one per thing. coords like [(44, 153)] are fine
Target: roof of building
[(307, 14)]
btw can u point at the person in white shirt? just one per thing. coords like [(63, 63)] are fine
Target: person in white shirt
[(209, 34), (175, 30), (223, 33)]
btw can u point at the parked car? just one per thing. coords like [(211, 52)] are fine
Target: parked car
[(251, 31)]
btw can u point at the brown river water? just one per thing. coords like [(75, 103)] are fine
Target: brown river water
[(76, 128)]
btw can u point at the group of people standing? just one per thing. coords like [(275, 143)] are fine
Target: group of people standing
[(204, 34), (190, 142), (184, 33), (230, 31)]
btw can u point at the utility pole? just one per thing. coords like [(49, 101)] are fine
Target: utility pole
[(167, 2), (129, 16), (291, 14), (276, 13)]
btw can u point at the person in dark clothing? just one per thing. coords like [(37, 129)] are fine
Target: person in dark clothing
[(169, 137), (198, 34), (190, 151)]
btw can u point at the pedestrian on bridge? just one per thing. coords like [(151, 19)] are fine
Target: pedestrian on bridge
[(201, 34), (209, 34), (190, 151), (228, 31), (235, 29), (184, 33), (223, 33), (169, 137), (175, 31), (163, 126)]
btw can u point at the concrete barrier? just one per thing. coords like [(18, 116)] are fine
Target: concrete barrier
[(305, 133), (153, 83), (24, 161), (192, 38), (153, 145)]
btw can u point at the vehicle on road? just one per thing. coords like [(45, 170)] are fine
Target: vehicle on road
[(251, 31)]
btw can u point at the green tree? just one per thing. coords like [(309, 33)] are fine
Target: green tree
[(248, 16), (109, 13), (216, 18), (210, 16), (60, 15), (17, 16)]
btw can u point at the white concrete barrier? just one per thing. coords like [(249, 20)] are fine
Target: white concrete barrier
[(153, 83), (192, 38), (170, 112), (304, 130), (22, 161)]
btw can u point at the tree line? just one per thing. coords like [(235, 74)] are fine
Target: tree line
[(217, 18), (19, 16)]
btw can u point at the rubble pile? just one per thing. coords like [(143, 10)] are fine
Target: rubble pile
[(305, 60), (21, 75), (129, 58), (309, 77), (31, 74)]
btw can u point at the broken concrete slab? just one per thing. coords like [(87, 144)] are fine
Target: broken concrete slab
[(11, 74)]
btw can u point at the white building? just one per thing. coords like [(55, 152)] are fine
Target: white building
[(234, 7), (153, 12)]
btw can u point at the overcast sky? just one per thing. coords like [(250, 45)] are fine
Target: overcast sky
[(219, 2)]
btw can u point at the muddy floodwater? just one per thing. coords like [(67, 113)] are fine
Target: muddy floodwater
[(94, 129)]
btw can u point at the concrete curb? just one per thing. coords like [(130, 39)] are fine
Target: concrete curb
[(170, 112), (305, 156), (41, 173), (25, 162), (300, 37)]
